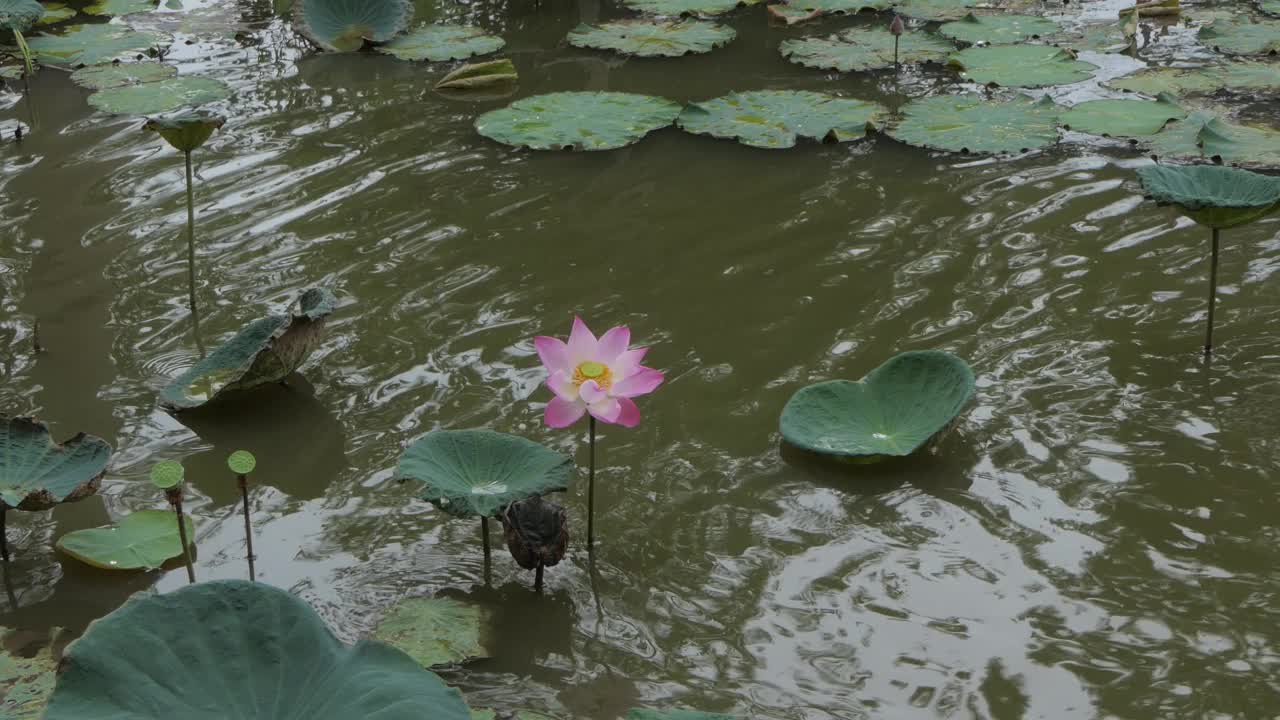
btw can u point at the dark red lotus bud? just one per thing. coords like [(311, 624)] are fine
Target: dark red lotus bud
[(896, 27)]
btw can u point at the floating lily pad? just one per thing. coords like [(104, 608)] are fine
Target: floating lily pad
[(1026, 66), (676, 8), (1220, 197), (1123, 118), (1103, 38), (1242, 36), (105, 77), (186, 132), (20, 15), (143, 540), (838, 7), (246, 650), (479, 472), (653, 38), (578, 120), (1205, 136), (434, 631), (266, 350), (998, 29), (55, 12), (952, 9), (1241, 75), (442, 42), (487, 714), (865, 49), (894, 410), (93, 44), (36, 473), (972, 123), (120, 7), (26, 679), (346, 25), (477, 76), (163, 96), (777, 118), (646, 714)]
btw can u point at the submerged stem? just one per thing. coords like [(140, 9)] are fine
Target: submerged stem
[(191, 235), (591, 483), (537, 579), (248, 527), (484, 535), (1213, 294)]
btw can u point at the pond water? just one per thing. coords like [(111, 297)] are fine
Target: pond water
[(1096, 538)]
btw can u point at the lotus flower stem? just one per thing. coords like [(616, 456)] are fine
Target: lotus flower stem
[(243, 482), (1213, 294), (191, 236), (896, 28), (484, 535), (591, 483), (175, 499)]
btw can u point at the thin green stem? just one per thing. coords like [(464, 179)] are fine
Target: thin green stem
[(1213, 294), (191, 235), (26, 53), (591, 484)]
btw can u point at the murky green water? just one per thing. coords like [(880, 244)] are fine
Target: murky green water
[(1096, 539)]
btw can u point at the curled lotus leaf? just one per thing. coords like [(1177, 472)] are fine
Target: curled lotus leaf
[(1205, 136), (167, 474), (469, 473), (998, 29), (837, 7), (438, 43), (647, 714), (163, 96), (1238, 76), (120, 7), (144, 540), (476, 76), (893, 411), (26, 678), (435, 631), (1123, 118), (104, 77), (247, 650), (536, 531), (187, 131), (775, 119), (56, 12), (1220, 197), (266, 350), (93, 44), (578, 120), (20, 15), (653, 38), (1241, 35), (36, 473), (972, 123), (865, 49), (678, 8), (346, 25), (1027, 66)]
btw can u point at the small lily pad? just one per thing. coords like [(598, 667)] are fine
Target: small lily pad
[(1123, 118), (1237, 76), (1220, 197), (144, 540), (93, 44), (120, 7), (437, 43), (577, 120), (20, 15), (186, 132), (1242, 35), (777, 118), (242, 462), (647, 714), (36, 473), (476, 76), (865, 49), (154, 98), (838, 7), (434, 631), (1203, 135), (893, 411), (677, 8), (26, 680), (998, 29), (972, 123), (105, 77), (1028, 66), (167, 474), (56, 12), (470, 473), (346, 25), (653, 38), (266, 350)]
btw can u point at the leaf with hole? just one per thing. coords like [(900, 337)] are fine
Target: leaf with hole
[(776, 119)]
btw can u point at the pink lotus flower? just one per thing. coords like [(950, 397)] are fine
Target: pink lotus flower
[(595, 376)]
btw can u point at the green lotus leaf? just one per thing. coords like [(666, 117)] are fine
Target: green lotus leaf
[(676, 8), (442, 42), (488, 714), (20, 15), (346, 25), (476, 76), (865, 49), (776, 118), (646, 714), (186, 132), (143, 540), (1239, 75), (36, 473), (26, 679), (242, 462), (954, 9), (483, 714), (1242, 35), (1205, 136), (1103, 38), (162, 96), (1027, 66), (894, 410), (93, 44), (1270, 7), (105, 77), (792, 15), (120, 7), (434, 631), (1220, 197), (470, 473), (11, 72), (998, 29), (577, 120), (238, 649), (972, 123), (1123, 118), (838, 6), (265, 351), (167, 474), (653, 38), (56, 12)]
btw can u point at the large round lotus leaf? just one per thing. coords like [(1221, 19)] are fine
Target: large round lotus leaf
[(186, 132), (675, 8), (93, 44), (865, 49), (652, 38), (238, 649), (442, 42), (577, 120), (120, 7), (143, 540), (163, 96), (1216, 196), (646, 714), (434, 631), (36, 473), (20, 15), (266, 350), (972, 123), (1122, 118), (1242, 36), (1241, 75), (55, 12), (998, 29), (837, 6), (104, 77), (26, 679), (478, 472), (894, 410), (1022, 65), (345, 25), (1204, 136), (776, 118)]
